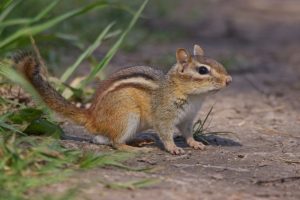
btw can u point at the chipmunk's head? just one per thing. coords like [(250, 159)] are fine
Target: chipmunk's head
[(199, 74)]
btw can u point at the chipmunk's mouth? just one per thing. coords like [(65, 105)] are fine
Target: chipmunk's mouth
[(219, 87), (214, 90)]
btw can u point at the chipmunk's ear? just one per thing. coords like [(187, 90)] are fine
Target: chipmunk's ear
[(182, 56), (198, 51)]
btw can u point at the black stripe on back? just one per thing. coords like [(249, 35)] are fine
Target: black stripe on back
[(135, 75)]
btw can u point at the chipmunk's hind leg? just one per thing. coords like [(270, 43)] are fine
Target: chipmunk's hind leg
[(125, 147), (130, 123)]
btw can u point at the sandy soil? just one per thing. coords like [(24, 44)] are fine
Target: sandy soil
[(261, 159)]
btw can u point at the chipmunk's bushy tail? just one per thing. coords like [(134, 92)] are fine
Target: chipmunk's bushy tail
[(30, 66)]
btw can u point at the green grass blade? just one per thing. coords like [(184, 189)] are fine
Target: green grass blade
[(14, 22), (147, 182), (114, 48), (110, 159), (10, 127), (8, 9), (5, 116), (4, 11), (27, 21), (208, 114), (86, 53), (4, 4), (50, 23), (44, 12)]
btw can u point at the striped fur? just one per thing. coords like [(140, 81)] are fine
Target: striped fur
[(139, 77), (135, 82), (139, 98)]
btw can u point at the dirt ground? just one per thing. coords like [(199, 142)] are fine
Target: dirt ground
[(261, 159)]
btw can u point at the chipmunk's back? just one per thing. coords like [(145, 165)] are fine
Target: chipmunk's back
[(128, 93), (140, 77)]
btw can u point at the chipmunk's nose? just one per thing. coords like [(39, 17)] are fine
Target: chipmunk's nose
[(228, 80)]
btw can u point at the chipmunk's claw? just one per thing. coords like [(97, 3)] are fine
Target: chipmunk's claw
[(195, 145), (177, 151), (173, 149)]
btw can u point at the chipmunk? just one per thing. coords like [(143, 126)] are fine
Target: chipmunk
[(139, 98)]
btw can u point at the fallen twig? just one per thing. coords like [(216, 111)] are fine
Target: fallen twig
[(213, 166), (290, 161), (278, 180)]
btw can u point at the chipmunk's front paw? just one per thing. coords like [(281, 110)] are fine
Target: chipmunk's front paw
[(194, 144), (173, 149)]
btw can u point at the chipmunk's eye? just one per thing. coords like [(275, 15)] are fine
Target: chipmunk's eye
[(203, 70)]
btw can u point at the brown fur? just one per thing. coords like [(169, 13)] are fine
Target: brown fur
[(139, 98)]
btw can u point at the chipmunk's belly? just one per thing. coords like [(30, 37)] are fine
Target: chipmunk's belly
[(190, 109)]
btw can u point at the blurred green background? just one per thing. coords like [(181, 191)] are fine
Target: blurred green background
[(73, 35)]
